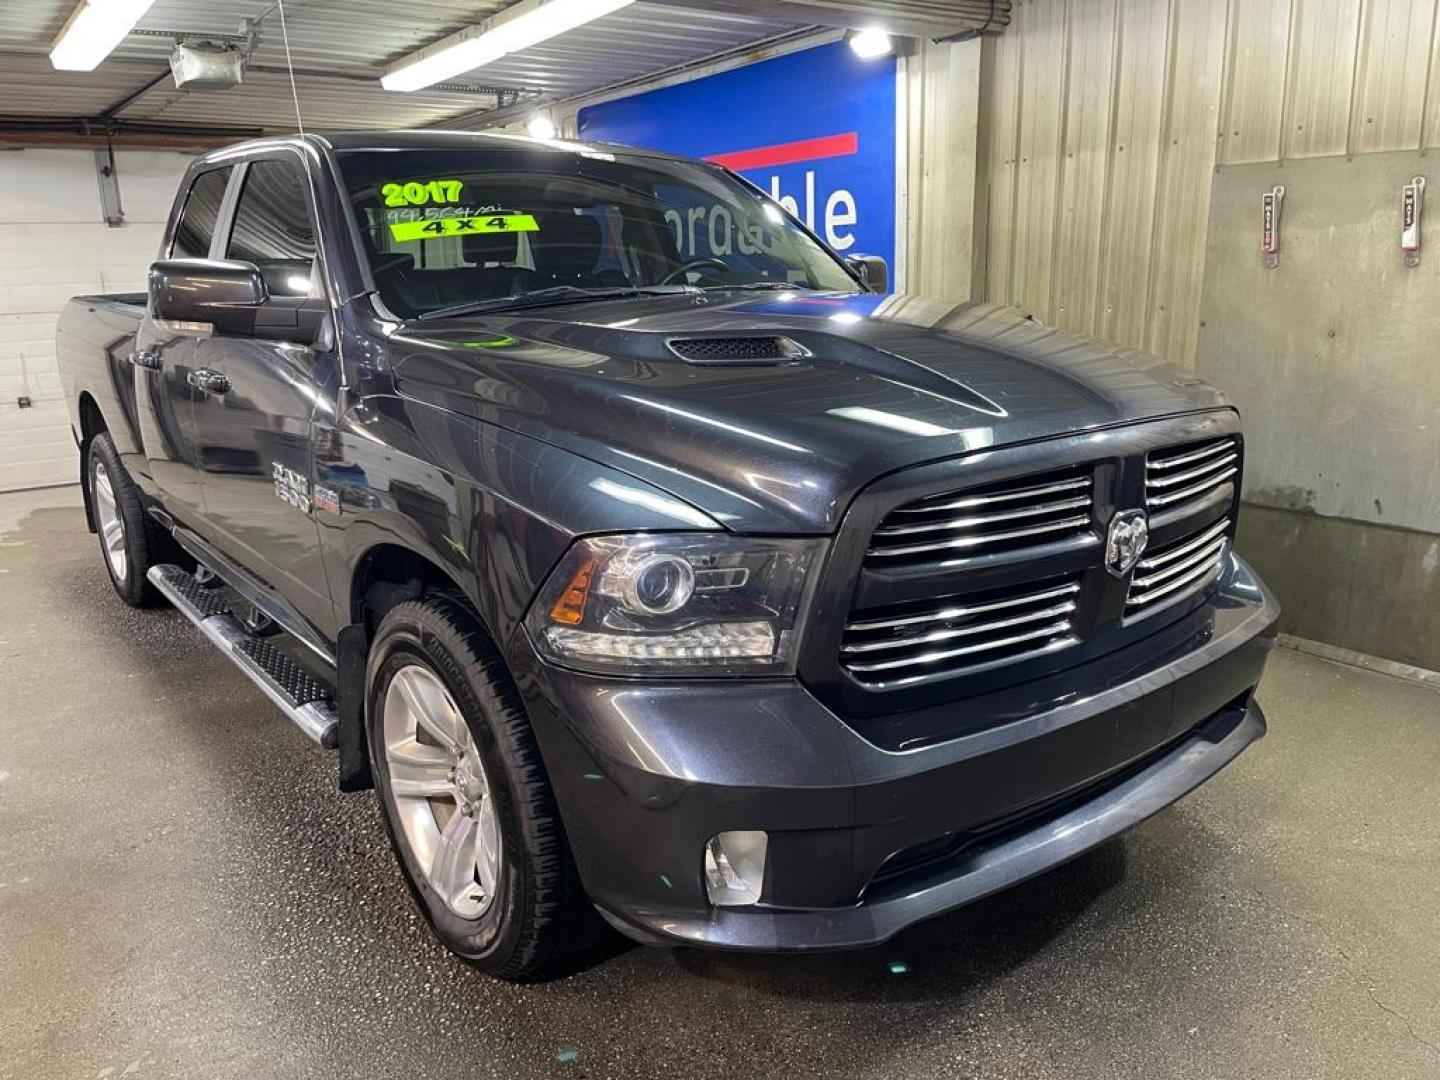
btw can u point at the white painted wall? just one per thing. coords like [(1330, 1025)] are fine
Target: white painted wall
[(54, 244)]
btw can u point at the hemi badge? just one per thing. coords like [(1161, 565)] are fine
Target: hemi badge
[(324, 498)]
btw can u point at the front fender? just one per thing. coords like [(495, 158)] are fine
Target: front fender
[(492, 508)]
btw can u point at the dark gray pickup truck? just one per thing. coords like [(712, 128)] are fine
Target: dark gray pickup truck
[(646, 556)]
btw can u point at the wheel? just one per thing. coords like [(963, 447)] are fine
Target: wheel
[(126, 537), (470, 812)]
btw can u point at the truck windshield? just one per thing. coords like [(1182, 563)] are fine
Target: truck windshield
[(446, 228)]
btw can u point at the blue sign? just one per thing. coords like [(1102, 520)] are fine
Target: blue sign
[(816, 129)]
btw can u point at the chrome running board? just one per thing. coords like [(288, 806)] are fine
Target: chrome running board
[(308, 702)]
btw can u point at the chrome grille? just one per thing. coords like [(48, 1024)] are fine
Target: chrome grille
[(1013, 514), (946, 635), (1185, 567), (1179, 474)]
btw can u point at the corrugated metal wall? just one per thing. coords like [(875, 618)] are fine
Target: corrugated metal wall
[(1109, 117), (939, 156)]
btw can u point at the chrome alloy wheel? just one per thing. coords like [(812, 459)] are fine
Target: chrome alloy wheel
[(112, 525), (443, 801)]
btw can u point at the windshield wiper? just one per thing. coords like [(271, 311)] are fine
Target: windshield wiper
[(557, 294), (760, 286)]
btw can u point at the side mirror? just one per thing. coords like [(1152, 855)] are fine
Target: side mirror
[(199, 296), (871, 269)]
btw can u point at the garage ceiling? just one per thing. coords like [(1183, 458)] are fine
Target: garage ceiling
[(340, 48)]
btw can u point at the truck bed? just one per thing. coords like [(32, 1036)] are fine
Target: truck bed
[(130, 303), (93, 343)]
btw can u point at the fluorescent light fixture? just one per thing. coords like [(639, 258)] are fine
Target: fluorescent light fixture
[(541, 127), (871, 44), (516, 28), (92, 32)]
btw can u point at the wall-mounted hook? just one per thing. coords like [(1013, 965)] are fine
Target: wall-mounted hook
[(1270, 205), (1412, 198)]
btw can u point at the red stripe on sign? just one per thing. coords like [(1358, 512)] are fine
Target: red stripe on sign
[(761, 157)]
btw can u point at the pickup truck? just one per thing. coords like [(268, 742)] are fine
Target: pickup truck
[(656, 565)]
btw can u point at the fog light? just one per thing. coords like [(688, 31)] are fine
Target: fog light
[(735, 867)]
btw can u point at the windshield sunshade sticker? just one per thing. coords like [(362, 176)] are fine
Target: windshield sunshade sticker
[(405, 231), (421, 192)]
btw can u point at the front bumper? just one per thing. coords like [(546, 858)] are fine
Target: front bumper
[(865, 841)]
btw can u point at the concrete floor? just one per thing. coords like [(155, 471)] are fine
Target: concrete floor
[(183, 893)]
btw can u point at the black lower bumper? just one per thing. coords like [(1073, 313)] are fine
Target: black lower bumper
[(865, 841), (983, 870)]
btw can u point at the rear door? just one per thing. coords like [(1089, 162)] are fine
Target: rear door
[(164, 359), (254, 424)]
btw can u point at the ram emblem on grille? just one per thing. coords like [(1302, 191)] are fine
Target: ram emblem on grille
[(1125, 542)]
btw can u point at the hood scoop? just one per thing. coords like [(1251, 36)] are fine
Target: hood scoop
[(747, 349), (759, 350)]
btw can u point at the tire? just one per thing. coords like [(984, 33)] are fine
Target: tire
[(127, 539), (521, 914)]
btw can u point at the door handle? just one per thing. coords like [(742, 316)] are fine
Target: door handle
[(212, 382), (146, 358)]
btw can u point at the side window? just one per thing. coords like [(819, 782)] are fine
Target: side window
[(272, 227), (197, 219)]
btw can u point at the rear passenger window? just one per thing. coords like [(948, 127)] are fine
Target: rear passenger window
[(197, 220), (272, 227)]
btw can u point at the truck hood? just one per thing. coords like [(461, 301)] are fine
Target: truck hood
[(781, 446)]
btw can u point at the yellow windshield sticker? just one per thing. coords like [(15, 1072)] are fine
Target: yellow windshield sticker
[(421, 192), (403, 231)]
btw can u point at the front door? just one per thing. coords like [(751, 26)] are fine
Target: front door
[(163, 362), (254, 417)]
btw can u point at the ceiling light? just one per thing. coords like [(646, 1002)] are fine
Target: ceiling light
[(870, 44), (514, 29), (541, 127), (92, 32)]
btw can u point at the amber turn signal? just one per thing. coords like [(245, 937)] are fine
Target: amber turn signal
[(569, 609)]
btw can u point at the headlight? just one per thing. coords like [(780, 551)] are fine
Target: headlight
[(684, 604)]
